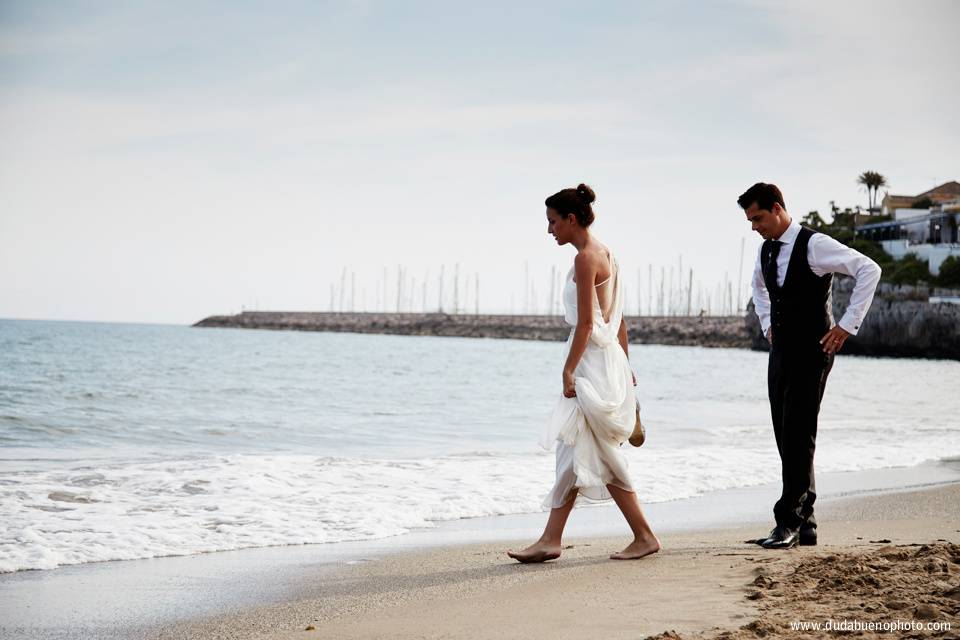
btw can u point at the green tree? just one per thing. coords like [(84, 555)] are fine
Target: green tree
[(814, 221), (843, 219), (872, 181), (922, 203), (841, 229), (949, 272), (874, 251), (910, 270)]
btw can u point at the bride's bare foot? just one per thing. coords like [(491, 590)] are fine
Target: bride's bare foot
[(638, 549), (537, 552)]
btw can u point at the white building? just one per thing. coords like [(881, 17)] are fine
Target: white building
[(913, 224), (935, 254), (930, 234)]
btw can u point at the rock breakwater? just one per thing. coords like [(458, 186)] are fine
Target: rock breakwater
[(690, 331)]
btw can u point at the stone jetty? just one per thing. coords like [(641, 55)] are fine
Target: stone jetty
[(902, 322), (692, 331)]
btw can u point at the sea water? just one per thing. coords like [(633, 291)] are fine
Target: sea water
[(123, 441)]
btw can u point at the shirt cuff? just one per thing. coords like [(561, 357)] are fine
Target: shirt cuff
[(765, 325), (850, 325)]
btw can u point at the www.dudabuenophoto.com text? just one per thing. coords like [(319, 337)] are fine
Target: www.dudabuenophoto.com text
[(883, 626)]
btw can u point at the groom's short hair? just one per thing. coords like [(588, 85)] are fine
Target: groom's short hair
[(764, 194)]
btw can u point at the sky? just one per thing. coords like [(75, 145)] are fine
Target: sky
[(164, 161)]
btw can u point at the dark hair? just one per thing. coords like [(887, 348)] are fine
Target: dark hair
[(764, 194), (576, 201)]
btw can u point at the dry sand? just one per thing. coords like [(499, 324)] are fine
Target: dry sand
[(881, 558)]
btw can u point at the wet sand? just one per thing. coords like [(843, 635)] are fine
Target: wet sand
[(881, 558)]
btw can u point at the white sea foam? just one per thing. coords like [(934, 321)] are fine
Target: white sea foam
[(181, 507)]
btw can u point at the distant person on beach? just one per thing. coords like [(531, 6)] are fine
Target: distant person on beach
[(597, 411), (791, 293)]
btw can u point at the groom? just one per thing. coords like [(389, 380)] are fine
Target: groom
[(791, 293)]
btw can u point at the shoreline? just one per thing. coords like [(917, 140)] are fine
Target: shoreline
[(702, 581), (162, 597)]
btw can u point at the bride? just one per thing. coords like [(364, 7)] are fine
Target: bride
[(597, 412)]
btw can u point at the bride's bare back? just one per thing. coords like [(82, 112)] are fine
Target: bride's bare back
[(605, 280)]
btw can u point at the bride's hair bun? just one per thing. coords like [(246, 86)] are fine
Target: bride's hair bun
[(574, 202), (586, 193)]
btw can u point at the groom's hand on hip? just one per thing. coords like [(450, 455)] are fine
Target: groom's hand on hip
[(833, 340)]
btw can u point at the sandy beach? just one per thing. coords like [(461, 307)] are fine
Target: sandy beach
[(311, 312), (890, 558)]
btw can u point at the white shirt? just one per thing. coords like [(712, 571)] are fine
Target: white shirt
[(824, 255)]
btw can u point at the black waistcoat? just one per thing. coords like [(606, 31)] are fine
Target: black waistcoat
[(801, 310)]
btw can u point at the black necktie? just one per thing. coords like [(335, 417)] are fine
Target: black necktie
[(771, 248)]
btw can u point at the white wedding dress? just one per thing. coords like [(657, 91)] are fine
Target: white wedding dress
[(589, 428)]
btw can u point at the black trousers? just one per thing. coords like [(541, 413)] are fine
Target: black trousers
[(796, 379)]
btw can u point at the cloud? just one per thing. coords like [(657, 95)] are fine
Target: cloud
[(254, 153)]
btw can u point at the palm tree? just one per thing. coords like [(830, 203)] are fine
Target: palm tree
[(872, 181)]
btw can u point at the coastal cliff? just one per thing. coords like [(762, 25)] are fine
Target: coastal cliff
[(901, 322), (690, 331)]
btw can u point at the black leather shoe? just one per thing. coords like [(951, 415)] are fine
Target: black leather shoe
[(762, 539), (808, 536), (782, 538)]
